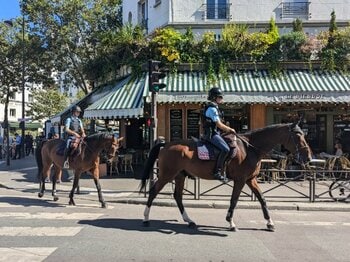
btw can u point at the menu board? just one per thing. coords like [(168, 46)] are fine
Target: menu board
[(193, 118), (175, 124)]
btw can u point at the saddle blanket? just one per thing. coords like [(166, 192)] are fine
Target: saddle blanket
[(205, 152)]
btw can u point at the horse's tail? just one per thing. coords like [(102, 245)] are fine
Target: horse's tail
[(39, 159), (153, 155)]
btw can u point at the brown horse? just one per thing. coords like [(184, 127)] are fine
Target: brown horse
[(177, 159), (87, 160)]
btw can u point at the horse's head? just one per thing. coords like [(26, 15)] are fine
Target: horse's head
[(297, 145), (112, 148)]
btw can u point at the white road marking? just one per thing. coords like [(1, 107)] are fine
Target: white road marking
[(304, 223), (24, 169), (40, 231), (16, 254), (63, 216)]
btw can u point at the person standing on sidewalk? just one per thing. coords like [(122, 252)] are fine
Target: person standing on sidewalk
[(18, 142), (1, 145), (74, 129)]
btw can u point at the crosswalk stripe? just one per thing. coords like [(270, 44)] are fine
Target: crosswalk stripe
[(40, 231), (63, 216), (25, 253), (305, 223)]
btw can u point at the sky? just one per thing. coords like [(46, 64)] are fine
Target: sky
[(9, 9)]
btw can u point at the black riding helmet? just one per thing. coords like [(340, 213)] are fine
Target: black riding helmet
[(76, 109), (214, 93)]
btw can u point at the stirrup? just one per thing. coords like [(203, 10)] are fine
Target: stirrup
[(66, 164), (218, 176)]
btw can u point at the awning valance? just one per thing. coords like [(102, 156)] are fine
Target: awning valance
[(124, 101), (251, 86)]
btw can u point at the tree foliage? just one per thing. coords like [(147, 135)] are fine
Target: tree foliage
[(72, 30), (47, 103)]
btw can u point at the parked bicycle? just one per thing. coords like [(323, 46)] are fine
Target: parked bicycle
[(339, 190)]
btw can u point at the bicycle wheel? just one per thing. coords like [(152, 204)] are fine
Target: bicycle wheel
[(339, 190)]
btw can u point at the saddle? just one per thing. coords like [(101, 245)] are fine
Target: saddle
[(208, 151), (75, 147)]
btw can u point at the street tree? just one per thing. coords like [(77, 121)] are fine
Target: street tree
[(47, 103), (73, 31)]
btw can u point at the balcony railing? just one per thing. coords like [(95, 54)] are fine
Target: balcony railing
[(295, 10), (216, 11)]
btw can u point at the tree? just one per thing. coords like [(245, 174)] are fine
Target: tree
[(297, 25), (47, 103), (72, 31)]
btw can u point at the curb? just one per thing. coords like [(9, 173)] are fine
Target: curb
[(244, 205)]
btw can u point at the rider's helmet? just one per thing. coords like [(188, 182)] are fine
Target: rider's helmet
[(76, 109), (214, 93)]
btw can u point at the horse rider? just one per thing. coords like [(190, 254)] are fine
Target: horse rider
[(212, 126), (74, 129)]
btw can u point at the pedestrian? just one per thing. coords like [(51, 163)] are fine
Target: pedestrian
[(74, 130), (1, 145), (213, 125), (28, 143), (17, 142)]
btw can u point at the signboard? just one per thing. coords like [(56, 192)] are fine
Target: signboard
[(193, 118), (175, 124)]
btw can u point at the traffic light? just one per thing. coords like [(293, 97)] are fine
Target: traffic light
[(155, 75)]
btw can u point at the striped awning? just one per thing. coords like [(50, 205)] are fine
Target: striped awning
[(252, 86), (124, 101)]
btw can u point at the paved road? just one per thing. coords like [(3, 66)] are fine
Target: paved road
[(37, 229)]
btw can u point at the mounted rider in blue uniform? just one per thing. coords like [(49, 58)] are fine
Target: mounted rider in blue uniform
[(212, 126), (74, 129)]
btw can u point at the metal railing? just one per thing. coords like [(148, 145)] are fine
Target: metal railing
[(216, 11), (295, 9)]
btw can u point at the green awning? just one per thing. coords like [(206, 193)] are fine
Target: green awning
[(251, 86), (28, 125), (124, 101)]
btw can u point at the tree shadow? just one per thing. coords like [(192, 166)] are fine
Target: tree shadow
[(22, 201), (165, 227)]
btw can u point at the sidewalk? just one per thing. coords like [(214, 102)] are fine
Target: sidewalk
[(125, 189)]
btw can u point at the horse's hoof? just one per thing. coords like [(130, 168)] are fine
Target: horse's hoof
[(233, 229), (55, 198), (192, 225), (271, 228), (103, 205), (71, 203), (40, 195), (146, 223), (228, 219)]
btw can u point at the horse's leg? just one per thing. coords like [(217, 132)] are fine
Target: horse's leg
[(237, 188), (45, 173), (153, 192), (75, 184), (178, 193), (57, 172), (95, 172), (253, 185)]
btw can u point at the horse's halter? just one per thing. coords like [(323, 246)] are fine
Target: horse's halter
[(111, 155)]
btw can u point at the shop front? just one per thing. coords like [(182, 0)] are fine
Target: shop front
[(254, 100)]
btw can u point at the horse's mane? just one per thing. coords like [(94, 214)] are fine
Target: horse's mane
[(99, 137), (294, 127)]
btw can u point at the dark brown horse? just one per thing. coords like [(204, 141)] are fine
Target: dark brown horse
[(87, 160), (176, 159)]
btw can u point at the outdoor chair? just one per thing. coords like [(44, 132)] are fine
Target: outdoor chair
[(345, 166), (329, 166), (278, 172), (127, 163)]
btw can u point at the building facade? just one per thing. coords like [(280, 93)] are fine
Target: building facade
[(212, 15)]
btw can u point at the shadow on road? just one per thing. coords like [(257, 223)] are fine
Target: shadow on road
[(166, 227), (22, 201)]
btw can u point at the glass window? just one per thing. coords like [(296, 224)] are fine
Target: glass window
[(13, 112), (210, 9)]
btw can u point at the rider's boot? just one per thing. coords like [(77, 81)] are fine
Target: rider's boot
[(219, 167), (66, 160)]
